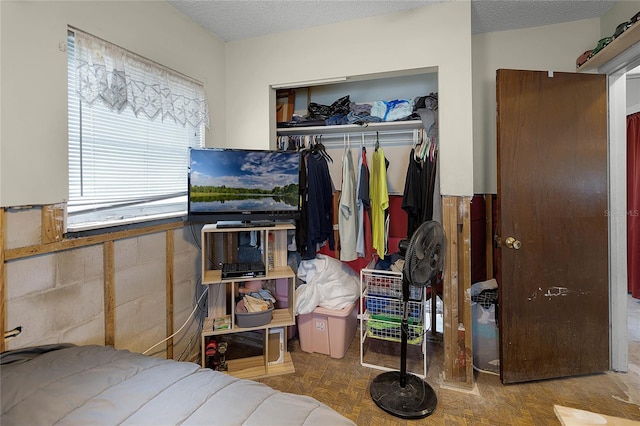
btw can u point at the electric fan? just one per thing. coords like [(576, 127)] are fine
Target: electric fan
[(400, 393)]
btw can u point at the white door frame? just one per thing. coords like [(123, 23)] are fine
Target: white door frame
[(616, 71)]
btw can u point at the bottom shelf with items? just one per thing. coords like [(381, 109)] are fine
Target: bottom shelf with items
[(392, 331), (246, 315), (380, 345), (249, 354), (384, 355), (254, 368)]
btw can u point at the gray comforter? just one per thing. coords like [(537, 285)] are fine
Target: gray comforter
[(86, 385)]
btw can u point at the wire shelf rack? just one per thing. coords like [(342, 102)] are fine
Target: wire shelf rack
[(388, 283)]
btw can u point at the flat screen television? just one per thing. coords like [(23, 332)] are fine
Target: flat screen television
[(242, 185)]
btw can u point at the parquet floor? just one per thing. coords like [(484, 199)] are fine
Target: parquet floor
[(343, 384)]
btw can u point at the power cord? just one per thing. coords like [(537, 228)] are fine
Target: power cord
[(202, 313), (206, 290)]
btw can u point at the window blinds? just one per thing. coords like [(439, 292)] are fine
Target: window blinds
[(126, 166)]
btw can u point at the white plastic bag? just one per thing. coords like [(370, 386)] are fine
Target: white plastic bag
[(329, 284)]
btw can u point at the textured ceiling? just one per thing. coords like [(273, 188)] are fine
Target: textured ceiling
[(240, 19)]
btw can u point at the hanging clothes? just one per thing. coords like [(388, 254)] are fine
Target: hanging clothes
[(347, 216), (319, 204), (412, 196), (362, 200), (436, 196), (421, 196), (379, 195), (301, 225), (429, 169)]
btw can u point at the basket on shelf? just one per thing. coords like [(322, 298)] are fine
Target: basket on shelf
[(390, 309), (392, 331), (389, 285)]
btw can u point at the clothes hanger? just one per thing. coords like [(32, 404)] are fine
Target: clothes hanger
[(377, 141), (304, 145), (320, 149), (418, 144)]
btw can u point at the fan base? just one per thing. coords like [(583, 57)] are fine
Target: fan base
[(415, 401)]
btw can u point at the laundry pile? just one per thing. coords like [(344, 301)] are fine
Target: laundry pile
[(345, 111)]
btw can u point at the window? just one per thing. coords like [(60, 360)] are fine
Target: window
[(131, 123)]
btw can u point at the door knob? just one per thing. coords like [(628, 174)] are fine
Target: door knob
[(512, 243)]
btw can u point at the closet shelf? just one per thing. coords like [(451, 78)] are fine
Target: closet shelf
[(613, 49), (350, 128)]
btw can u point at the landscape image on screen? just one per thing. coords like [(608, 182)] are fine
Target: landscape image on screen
[(247, 181)]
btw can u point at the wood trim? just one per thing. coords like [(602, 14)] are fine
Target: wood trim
[(28, 251), (464, 286), (450, 291), (458, 364), (109, 293), (169, 287), (230, 247), (52, 223), (3, 279)]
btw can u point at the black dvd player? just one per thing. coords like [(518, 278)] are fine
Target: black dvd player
[(243, 270)]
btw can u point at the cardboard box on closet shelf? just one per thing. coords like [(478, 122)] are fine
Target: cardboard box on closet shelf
[(285, 100), (328, 331)]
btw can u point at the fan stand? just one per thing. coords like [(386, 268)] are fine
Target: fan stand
[(400, 393)]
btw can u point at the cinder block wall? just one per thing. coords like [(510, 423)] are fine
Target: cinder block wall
[(59, 297)]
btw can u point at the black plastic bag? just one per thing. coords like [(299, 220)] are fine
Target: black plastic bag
[(339, 107)]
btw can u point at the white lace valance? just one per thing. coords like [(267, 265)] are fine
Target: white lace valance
[(119, 79)]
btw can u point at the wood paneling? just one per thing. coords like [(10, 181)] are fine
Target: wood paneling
[(458, 362), (52, 223), (169, 287), (22, 252), (109, 294)]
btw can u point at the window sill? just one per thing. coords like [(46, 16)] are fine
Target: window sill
[(91, 229)]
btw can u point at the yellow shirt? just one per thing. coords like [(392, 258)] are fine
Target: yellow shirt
[(379, 195)]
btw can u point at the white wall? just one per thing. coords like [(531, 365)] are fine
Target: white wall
[(33, 77), (433, 36), (633, 94), (552, 47)]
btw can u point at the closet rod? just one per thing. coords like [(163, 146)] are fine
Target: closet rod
[(406, 137), (354, 133), (355, 143)]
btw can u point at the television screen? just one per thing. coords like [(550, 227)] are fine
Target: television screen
[(243, 185)]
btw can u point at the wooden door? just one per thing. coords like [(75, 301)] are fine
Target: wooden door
[(552, 202)]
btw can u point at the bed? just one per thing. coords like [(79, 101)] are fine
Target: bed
[(88, 385)]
